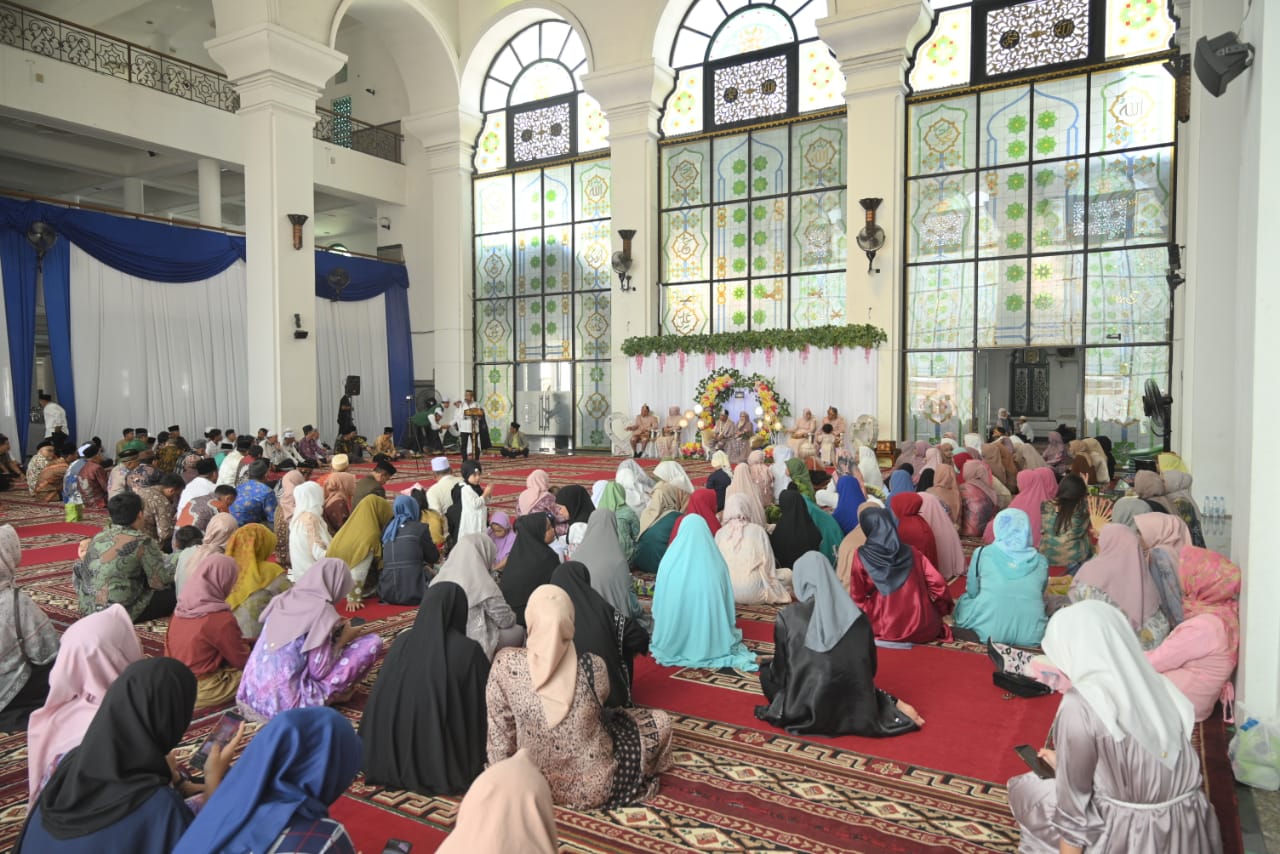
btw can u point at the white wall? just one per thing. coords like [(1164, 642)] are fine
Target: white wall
[(369, 66)]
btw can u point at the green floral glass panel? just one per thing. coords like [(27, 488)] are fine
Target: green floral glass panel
[(528, 199), (529, 269), (819, 236), (531, 322), (941, 300), (591, 382), (1130, 198), (1004, 213), (557, 313), (592, 255), (941, 136), (730, 313), (1002, 303), (818, 156), (733, 167), (1128, 297), (1057, 299), (769, 237), (686, 176), (493, 330), (1055, 194), (493, 266), (939, 394), (940, 218), (1058, 118), (1114, 380), (594, 180), (769, 301), (493, 204), (1131, 107), (685, 310), (817, 300), (591, 338), (557, 195), (768, 169), (686, 245), (1006, 126), (732, 240), (557, 258), (493, 387)]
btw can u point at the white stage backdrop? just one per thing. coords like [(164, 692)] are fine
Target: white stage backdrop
[(351, 338), (8, 419), (846, 381), (149, 354)]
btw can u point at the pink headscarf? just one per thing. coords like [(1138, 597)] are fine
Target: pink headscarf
[(206, 591), (537, 485), (1119, 571), (504, 543), (950, 552), (978, 473), (307, 607), (931, 458), (944, 486), (94, 651), (1035, 487), (1211, 585), (1162, 529), (288, 483)]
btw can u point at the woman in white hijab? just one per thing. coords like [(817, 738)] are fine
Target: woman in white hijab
[(870, 468), (637, 484), (1127, 777), (753, 570), (308, 532), (670, 471), (781, 478)]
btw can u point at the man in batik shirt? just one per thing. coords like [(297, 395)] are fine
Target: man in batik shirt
[(146, 474), (129, 459), (159, 509), (167, 453), (92, 479), (201, 510), (124, 566)]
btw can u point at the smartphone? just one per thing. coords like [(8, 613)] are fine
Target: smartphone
[(397, 846), (357, 621), (1034, 762), (223, 732)]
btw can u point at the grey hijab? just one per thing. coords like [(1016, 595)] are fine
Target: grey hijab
[(468, 566), (601, 552), (1126, 509), (833, 609)]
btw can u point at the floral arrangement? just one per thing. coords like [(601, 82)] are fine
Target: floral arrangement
[(850, 336), (714, 390), (691, 451), (768, 453)]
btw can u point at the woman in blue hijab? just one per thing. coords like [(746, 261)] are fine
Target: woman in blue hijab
[(408, 555), (1003, 599), (694, 620), (282, 787), (850, 498)]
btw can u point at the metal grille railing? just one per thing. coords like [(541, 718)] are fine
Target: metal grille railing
[(352, 133)]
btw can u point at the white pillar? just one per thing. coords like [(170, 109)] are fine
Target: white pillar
[(279, 74), (134, 195), (440, 296), (630, 97), (209, 187), (870, 44)]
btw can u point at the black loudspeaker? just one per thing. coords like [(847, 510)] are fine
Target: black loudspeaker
[(1220, 60), (353, 385)]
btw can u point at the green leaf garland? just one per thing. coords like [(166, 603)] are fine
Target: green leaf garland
[(852, 336)]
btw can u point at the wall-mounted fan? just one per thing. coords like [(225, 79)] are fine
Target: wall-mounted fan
[(871, 237), (1158, 406), (41, 236), (338, 279)]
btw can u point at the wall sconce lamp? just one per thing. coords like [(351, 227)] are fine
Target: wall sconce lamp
[(871, 237), (297, 220), (622, 260)]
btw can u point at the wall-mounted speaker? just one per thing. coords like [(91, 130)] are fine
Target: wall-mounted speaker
[(353, 385), (1221, 59)]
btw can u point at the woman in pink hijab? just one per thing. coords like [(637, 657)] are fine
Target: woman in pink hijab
[(1035, 487), (537, 498), (1118, 575), (1158, 530), (946, 490), (950, 552)]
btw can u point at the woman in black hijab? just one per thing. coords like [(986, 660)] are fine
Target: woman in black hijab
[(530, 562), (425, 725), (577, 501), (795, 534), (925, 482), (598, 628), (115, 791), (454, 514)]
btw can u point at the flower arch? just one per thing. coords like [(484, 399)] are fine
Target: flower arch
[(714, 390)]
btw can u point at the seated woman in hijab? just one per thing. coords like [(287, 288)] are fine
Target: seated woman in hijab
[(537, 498), (307, 654), (1065, 524), (1095, 456), (1035, 487), (694, 619), (795, 534), (339, 494), (1003, 599), (849, 502), (720, 477), (577, 502), (1000, 460), (901, 593), (946, 490), (747, 488), (547, 699), (761, 474), (503, 533), (610, 573), (95, 651), (670, 471), (1055, 454), (359, 543), (423, 727), (799, 475), (116, 791), (24, 665), (827, 527), (600, 630), (277, 797), (913, 528), (951, 562), (978, 499), (821, 677), (309, 536), (1118, 576), (1128, 778), (656, 523), (782, 454), (508, 808), (747, 552), (408, 555), (1178, 491), (204, 634), (614, 498), (531, 562), (1149, 488), (259, 580), (490, 620), (701, 503), (635, 483), (739, 443), (669, 440)]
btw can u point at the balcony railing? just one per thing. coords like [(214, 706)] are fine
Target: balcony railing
[(65, 41)]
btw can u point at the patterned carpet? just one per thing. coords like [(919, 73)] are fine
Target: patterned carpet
[(737, 784)]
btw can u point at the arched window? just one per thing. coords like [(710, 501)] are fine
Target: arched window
[(753, 227), (1039, 216), (542, 245)]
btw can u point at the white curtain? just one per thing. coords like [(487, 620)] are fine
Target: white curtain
[(351, 338), (150, 354), (8, 419), (846, 380)]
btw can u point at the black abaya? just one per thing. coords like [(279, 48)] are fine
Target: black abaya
[(424, 728), (600, 629), (577, 501), (529, 564), (795, 534)]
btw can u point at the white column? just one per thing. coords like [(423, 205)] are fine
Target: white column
[(279, 75), (870, 44), (630, 97), (134, 195), (440, 296), (209, 187)]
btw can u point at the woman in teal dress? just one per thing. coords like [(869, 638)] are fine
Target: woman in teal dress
[(694, 620), (827, 525), (614, 498), (1004, 594), (666, 504)]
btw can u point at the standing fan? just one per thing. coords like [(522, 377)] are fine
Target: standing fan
[(1158, 406)]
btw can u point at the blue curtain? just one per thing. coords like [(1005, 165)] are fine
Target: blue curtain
[(18, 266), (399, 359), (57, 309)]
